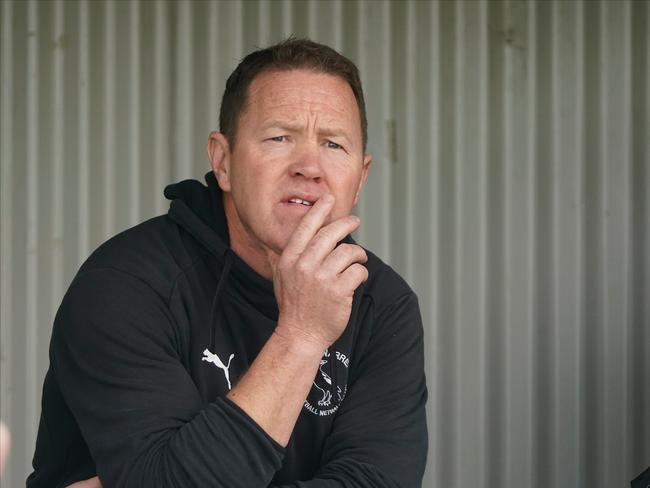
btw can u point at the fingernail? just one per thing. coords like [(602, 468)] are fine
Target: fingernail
[(356, 219)]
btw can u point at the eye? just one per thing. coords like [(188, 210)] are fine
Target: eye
[(278, 138), (333, 145)]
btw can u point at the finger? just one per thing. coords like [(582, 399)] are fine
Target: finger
[(326, 239), (344, 256), (352, 277), (309, 225)]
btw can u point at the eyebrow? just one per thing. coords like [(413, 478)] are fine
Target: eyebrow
[(292, 126)]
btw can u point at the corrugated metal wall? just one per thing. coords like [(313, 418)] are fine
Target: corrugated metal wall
[(510, 187)]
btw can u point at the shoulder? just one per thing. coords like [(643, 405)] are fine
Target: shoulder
[(155, 252), (392, 312), (121, 294), (391, 324), (385, 287)]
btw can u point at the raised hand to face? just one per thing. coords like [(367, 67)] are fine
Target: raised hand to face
[(314, 279)]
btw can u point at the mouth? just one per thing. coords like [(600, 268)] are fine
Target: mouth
[(300, 201)]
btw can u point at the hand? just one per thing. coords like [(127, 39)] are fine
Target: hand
[(5, 445), (91, 483), (314, 279)]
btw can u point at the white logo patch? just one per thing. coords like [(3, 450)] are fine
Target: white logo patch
[(324, 402), (214, 359)]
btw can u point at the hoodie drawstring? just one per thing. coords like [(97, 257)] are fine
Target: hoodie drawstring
[(227, 265)]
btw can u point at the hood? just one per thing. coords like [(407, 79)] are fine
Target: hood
[(198, 209)]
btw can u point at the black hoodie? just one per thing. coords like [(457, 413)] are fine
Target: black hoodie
[(158, 324)]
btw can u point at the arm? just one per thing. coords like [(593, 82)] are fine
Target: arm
[(379, 437), (314, 282), (115, 356)]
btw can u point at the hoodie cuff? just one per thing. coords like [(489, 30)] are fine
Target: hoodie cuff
[(229, 404)]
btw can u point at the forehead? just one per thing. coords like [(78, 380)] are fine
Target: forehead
[(297, 93)]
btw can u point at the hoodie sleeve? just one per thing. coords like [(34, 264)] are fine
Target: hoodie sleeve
[(115, 356), (379, 438)]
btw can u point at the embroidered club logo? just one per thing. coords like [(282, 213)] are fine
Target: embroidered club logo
[(214, 359), (325, 397)]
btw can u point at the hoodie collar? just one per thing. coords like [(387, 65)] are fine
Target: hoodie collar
[(199, 210)]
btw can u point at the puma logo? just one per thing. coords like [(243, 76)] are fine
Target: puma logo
[(214, 359)]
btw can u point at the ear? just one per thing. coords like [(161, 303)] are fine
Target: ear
[(219, 156), (367, 162)]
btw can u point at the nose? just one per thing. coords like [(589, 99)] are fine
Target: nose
[(307, 163)]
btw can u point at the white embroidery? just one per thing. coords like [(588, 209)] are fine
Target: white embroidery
[(214, 359), (325, 402)]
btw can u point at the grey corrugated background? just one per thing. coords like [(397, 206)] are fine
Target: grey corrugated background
[(510, 188)]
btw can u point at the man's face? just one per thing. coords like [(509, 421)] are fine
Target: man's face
[(298, 138)]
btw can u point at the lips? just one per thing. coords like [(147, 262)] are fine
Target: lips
[(300, 198), (300, 201)]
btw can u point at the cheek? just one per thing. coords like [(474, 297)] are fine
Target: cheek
[(344, 205), (347, 186), (247, 179)]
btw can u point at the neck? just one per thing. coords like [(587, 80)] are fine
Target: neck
[(255, 255)]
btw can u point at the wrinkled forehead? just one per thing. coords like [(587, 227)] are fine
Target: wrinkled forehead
[(298, 94)]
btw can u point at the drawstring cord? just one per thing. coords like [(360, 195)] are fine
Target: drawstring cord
[(228, 260)]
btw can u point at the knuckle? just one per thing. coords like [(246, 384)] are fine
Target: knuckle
[(361, 252), (353, 220), (320, 275), (324, 233), (366, 274), (354, 252), (302, 266), (361, 270), (313, 244), (346, 248)]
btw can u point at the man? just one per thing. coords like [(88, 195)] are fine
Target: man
[(244, 339)]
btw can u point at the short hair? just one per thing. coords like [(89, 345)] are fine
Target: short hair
[(287, 55)]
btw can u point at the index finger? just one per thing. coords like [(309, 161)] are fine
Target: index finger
[(310, 224)]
